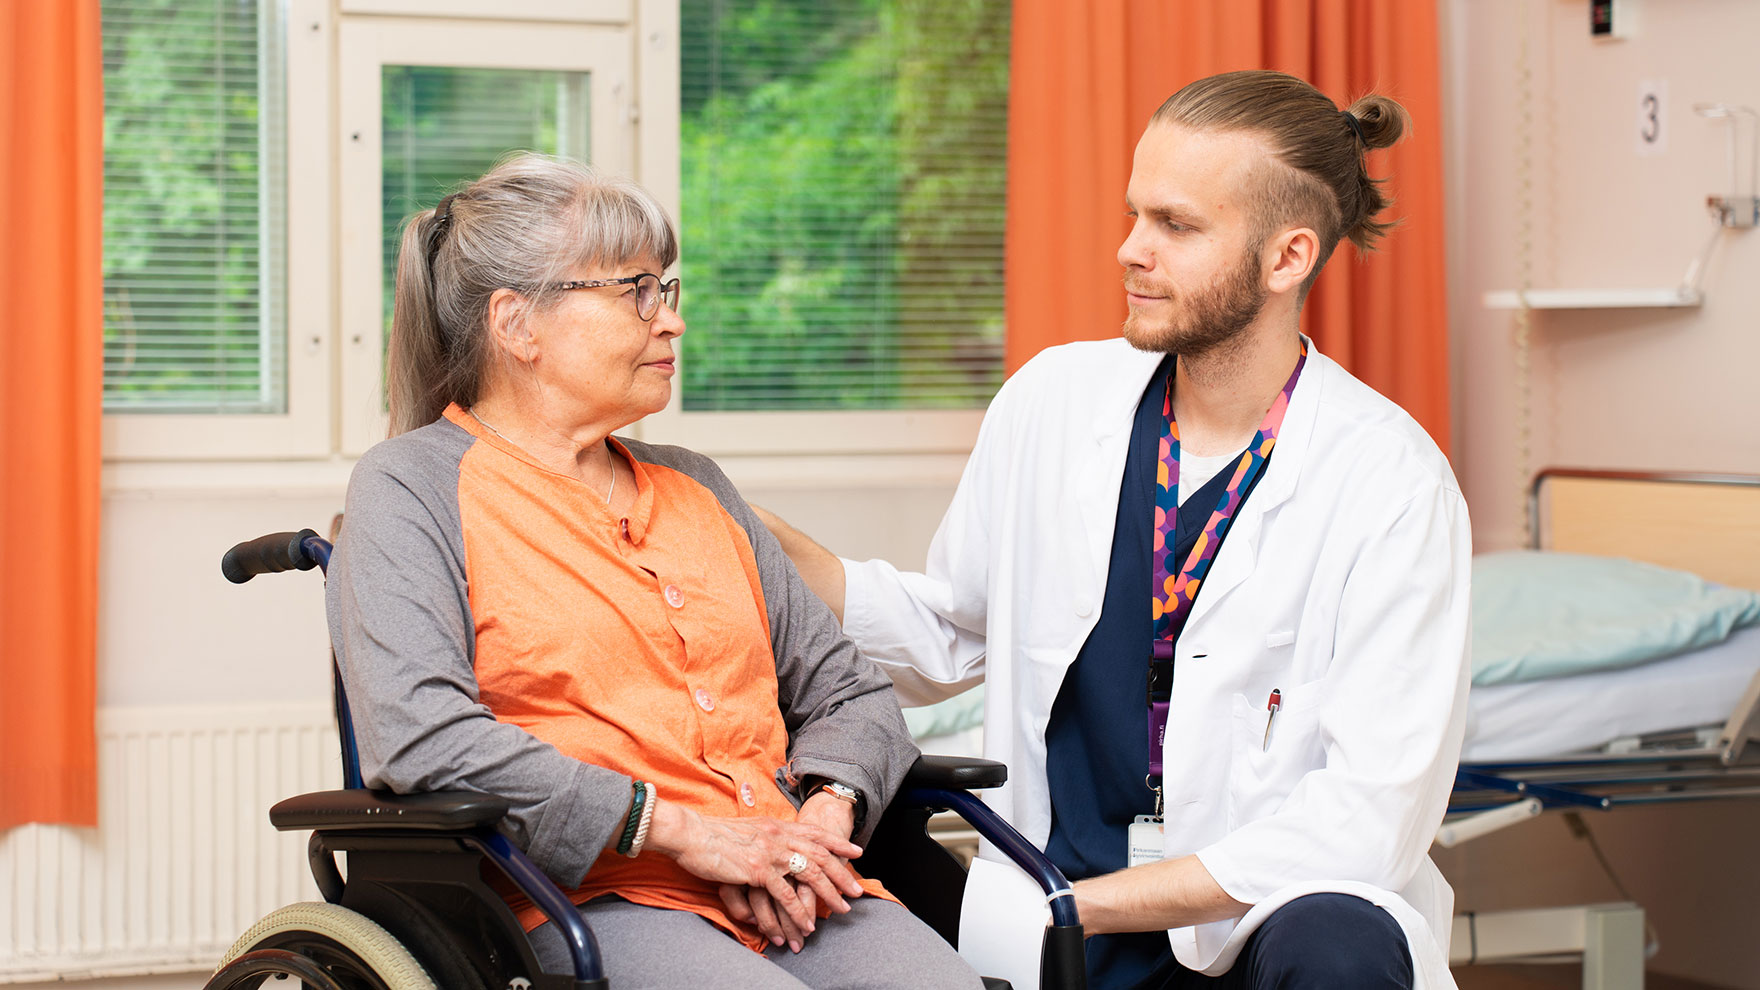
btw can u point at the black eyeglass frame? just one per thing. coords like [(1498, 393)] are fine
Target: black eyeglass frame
[(669, 291)]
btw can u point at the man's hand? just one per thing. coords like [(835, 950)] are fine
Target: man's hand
[(1172, 893), (757, 906)]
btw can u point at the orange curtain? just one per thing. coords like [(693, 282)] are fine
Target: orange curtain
[(51, 360), (1084, 80)]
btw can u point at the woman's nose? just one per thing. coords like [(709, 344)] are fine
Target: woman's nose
[(667, 322)]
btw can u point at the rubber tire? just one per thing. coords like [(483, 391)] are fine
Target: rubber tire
[(354, 932)]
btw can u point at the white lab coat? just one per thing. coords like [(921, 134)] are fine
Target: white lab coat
[(1343, 583)]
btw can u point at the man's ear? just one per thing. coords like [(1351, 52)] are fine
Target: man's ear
[(1291, 256), (508, 327)]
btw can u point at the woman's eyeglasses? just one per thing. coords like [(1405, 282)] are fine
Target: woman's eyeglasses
[(649, 291)]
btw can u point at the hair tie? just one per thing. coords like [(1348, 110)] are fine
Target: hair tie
[(442, 221), (1355, 125)]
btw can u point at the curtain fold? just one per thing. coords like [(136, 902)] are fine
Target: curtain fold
[(1084, 80), (51, 366)]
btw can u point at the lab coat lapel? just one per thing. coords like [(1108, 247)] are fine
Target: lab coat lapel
[(1240, 548), (1115, 406)]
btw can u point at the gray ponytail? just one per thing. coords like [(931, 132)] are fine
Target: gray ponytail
[(522, 226)]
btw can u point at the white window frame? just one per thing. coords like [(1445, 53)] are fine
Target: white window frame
[(567, 11), (334, 404), (366, 45), (304, 430)]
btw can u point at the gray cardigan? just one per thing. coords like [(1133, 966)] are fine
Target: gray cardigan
[(400, 619)]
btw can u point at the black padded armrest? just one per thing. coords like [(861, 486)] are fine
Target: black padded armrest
[(961, 773), (358, 808)]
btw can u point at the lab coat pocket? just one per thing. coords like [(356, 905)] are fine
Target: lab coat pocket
[(1270, 753)]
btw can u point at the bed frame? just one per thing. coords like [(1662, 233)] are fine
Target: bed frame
[(1637, 515)]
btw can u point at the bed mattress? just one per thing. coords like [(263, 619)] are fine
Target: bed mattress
[(1540, 719), (1552, 717), (1546, 718)]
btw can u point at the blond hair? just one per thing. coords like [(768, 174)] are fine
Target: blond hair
[(1316, 175)]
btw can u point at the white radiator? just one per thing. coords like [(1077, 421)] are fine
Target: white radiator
[(183, 859)]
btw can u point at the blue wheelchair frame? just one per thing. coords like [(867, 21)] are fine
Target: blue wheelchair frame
[(407, 839)]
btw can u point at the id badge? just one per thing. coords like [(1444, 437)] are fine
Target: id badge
[(1145, 840)]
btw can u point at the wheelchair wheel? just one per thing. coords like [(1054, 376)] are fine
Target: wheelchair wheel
[(325, 947)]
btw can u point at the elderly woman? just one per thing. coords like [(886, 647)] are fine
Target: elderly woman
[(598, 629)]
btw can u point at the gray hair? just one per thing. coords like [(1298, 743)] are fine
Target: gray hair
[(522, 226)]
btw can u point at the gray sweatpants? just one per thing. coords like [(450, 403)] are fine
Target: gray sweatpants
[(878, 945)]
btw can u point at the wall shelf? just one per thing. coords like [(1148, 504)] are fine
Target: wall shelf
[(1671, 298)]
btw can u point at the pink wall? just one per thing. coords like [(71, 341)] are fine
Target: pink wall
[(1652, 388), (1611, 388)]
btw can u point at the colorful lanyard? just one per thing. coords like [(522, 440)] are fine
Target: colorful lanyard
[(1173, 592)]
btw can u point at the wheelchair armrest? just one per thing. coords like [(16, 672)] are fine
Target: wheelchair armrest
[(358, 808), (960, 773)]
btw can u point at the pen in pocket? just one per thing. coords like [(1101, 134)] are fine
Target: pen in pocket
[(1271, 709)]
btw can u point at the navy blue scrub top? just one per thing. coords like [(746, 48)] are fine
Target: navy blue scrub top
[(1096, 743)]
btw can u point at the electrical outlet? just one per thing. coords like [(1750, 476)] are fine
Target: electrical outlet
[(1611, 19)]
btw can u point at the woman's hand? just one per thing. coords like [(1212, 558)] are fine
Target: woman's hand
[(754, 853), (756, 906)]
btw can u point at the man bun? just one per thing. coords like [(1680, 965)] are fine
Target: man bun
[(1381, 122), (1316, 175)]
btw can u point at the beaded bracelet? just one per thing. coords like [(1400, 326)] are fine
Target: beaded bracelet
[(635, 848), (635, 817)]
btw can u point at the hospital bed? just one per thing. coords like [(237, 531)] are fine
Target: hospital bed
[(1681, 728)]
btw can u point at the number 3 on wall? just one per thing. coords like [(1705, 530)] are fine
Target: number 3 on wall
[(1652, 116)]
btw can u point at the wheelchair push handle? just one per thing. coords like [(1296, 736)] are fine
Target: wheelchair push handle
[(270, 554)]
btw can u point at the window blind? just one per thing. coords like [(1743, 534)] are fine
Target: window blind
[(443, 126), (843, 168), (194, 316)]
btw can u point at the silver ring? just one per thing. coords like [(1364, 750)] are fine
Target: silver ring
[(797, 865)]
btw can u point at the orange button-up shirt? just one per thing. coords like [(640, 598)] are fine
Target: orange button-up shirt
[(637, 642)]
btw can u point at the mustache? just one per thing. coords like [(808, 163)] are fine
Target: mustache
[(1139, 286)]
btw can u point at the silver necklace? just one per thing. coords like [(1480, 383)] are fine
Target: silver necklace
[(610, 462)]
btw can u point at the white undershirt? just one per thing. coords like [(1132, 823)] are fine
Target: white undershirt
[(1196, 472)]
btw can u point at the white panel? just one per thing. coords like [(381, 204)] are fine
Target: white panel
[(184, 858)]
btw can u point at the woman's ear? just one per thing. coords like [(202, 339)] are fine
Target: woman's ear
[(508, 327), (1292, 255)]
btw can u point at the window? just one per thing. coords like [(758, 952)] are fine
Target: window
[(441, 126), (842, 183), (194, 300), (433, 102), (837, 167)]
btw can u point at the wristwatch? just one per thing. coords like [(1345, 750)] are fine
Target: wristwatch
[(841, 791)]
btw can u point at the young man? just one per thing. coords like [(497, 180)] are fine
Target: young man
[(1217, 588)]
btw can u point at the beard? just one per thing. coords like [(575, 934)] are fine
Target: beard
[(1201, 321)]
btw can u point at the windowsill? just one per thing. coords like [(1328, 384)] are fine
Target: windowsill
[(329, 476), (284, 479)]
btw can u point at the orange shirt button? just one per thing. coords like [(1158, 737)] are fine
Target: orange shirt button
[(674, 597), (747, 795), (705, 701)]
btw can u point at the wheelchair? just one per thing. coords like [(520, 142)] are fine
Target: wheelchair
[(423, 904)]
